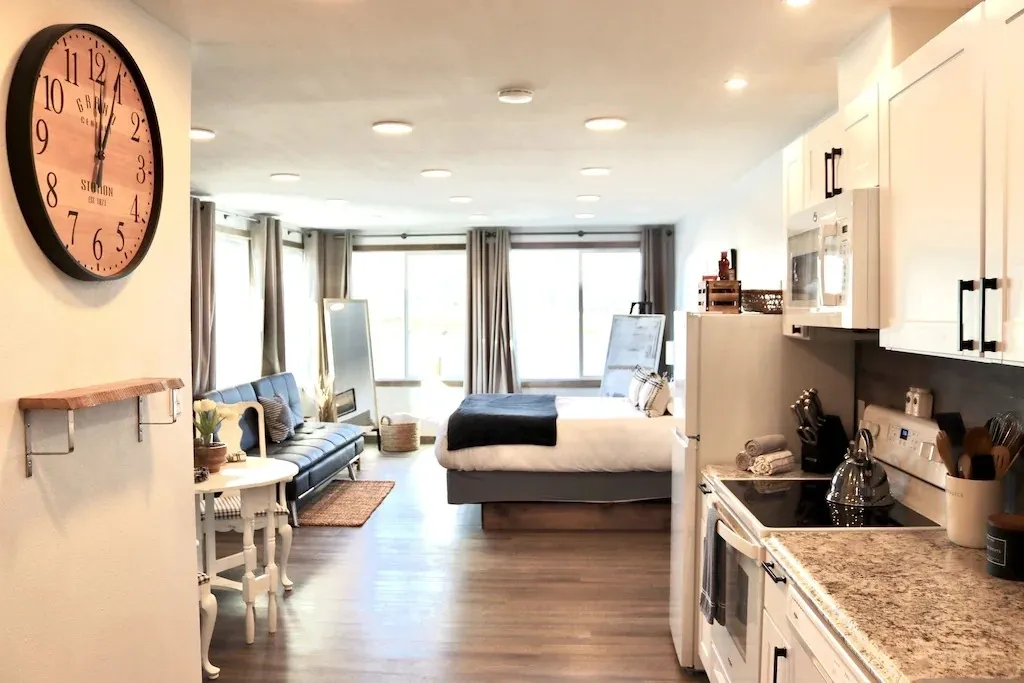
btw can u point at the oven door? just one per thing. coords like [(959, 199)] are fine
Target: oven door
[(737, 639), (804, 268)]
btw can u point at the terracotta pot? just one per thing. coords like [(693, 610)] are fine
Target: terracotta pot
[(211, 457)]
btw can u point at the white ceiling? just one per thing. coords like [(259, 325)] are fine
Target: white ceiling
[(293, 86)]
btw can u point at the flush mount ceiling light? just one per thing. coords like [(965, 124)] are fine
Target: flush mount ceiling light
[(337, 202), (285, 177), (736, 83), (595, 171), (515, 96), (436, 173), (392, 127), (605, 123), (201, 134), (479, 217), (588, 198), (460, 200), (797, 3), (584, 216)]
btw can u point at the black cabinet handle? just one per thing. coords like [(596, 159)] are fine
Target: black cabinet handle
[(965, 286), (769, 567), (704, 488), (987, 283), (780, 652), (836, 153), (828, 162)]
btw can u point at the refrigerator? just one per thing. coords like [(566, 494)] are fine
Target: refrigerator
[(737, 376)]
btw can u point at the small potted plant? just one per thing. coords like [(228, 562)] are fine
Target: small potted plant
[(207, 452)]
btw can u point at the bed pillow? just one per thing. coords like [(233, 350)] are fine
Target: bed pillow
[(636, 383), (278, 417), (655, 396)]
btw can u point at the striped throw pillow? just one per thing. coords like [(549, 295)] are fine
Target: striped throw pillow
[(655, 396), (636, 383), (278, 417)]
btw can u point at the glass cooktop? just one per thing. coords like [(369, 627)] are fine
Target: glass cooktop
[(800, 503)]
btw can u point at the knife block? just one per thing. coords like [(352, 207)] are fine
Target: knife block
[(825, 456)]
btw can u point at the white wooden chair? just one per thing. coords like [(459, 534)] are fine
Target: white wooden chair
[(207, 619), (227, 509)]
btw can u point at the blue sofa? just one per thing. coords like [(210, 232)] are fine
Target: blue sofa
[(319, 449)]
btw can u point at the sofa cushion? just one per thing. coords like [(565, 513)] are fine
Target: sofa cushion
[(314, 442), (277, 417), (283, 384), (249, 421)]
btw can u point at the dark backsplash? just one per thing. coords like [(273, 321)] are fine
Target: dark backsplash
[(976, 390)]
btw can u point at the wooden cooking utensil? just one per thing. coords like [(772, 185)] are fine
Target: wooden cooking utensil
[(1001, 454), (945, 448), (977, 441), (965, 466)]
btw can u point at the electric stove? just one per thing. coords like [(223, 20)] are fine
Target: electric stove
[(801, 504)]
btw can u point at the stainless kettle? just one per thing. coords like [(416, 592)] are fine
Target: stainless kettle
[(860, 480)]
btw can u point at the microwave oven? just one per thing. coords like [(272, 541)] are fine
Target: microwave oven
[(832, 263)]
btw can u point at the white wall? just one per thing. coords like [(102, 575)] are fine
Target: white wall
[(746, 216), (97, 550)]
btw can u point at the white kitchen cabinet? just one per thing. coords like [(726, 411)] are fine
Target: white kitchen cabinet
[(1004, 154), (857, 163), (818, 146), (931, 173), (775, 667), (794, 179)]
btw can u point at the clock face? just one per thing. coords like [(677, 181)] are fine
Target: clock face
[(94, 148)]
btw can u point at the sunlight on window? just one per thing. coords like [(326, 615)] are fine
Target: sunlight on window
[(379, 277), (610, 282), (300, 325), (238, 331)]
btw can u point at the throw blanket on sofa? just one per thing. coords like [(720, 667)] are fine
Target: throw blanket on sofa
[(503, 419)]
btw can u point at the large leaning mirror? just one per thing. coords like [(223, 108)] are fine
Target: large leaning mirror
[(351, 360)]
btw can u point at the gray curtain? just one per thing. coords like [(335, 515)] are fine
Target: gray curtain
[(204, 228), (330, 254), (273, 294), (490, 353), (658, 275)]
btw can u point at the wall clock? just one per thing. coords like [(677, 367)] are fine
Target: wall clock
[(84, 150)]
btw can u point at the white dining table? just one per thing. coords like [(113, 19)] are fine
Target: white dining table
[(257, 481)]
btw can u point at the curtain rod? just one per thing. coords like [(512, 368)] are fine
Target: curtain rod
[(406, 235)]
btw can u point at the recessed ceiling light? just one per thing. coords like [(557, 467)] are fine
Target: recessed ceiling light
[(736, 83), (595, 170), (201, 134), (377, 216), (436, 173), (460, 200), (584, 215), (797, 3), (515, 96), (392, 127), (479, 217), (337, 202), (588, 198), (605, 123), (285, 177)]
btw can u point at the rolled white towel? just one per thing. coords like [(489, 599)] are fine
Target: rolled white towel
[(743, 461), (773, 463), (769, 443)]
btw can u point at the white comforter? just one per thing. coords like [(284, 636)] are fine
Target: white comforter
[(595, 434)]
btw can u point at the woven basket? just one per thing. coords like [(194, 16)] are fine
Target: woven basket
[(762, 301), (403, 437)]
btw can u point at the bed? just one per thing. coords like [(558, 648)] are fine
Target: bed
[(607, 451)]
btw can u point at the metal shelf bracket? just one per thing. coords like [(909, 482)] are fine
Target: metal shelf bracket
[(28, 441), (174, 410)]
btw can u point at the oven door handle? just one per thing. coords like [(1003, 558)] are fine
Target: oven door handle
[(740, 544)]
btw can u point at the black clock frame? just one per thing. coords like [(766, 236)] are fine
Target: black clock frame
[(22, 158)]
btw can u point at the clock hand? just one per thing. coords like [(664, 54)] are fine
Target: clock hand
[(106, 134), (98, 106)]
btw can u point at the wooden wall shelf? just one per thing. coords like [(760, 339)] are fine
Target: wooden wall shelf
[(71, 400), (99, 394)]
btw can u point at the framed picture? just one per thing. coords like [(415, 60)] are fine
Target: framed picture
[(345, 402)]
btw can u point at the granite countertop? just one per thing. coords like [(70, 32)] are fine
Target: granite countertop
[(720, 472), (912, 605)]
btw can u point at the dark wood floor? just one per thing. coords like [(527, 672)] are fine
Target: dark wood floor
[(421, 593)]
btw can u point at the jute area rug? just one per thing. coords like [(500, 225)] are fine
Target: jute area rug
[(345, 503)]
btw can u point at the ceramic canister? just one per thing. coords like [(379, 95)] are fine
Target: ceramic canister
[(969, 503)]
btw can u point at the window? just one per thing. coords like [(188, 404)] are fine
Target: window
[(417, 302), (562, 306), (238, 328), (301, 347)]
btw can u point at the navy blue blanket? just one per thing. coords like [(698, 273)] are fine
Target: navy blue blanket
[(503, 419)]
